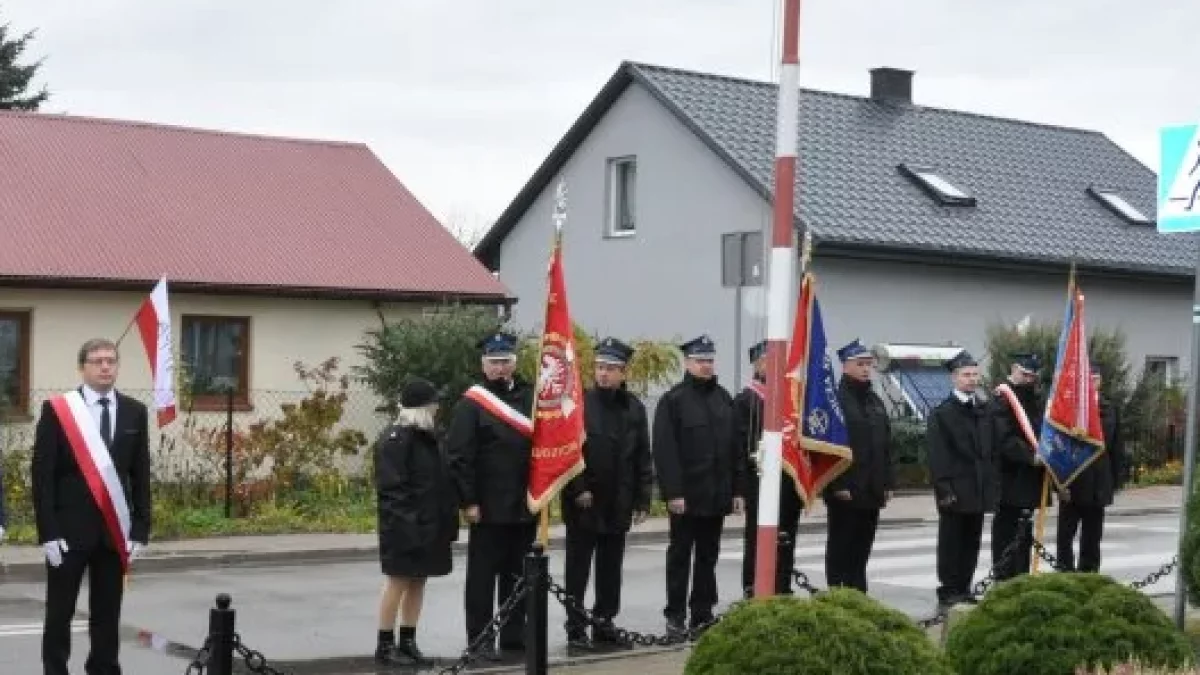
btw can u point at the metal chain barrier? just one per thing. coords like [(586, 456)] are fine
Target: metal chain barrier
[(255, 661), (489, 632), (625, 636), (1137, 584), (200, 661)]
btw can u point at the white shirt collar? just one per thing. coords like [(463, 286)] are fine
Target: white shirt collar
[(91, 396), (962, 397)]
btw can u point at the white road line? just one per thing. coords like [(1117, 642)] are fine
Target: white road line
[(29, 629)]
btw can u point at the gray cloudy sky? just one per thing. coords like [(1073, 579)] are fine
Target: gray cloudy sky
[(463, 98)]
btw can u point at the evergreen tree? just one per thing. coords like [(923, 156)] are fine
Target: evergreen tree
[(15, 77)]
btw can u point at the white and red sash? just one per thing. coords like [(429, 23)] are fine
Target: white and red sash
[(492, 403), (95, 463), (1019, 412), (758, 388)]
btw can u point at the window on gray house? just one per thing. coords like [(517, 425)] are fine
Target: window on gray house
[(215, 354), (1162, 370), (622, 196), (936, 185), (742, 259), (1120, 206), (14, 361)]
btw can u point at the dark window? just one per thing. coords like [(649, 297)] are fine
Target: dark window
[(14, 362), (623, 196), (215, 352), (742, 259)]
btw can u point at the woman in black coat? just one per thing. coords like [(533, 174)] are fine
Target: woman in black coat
[(418, 520)]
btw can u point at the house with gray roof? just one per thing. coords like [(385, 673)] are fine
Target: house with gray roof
[(929, 224)]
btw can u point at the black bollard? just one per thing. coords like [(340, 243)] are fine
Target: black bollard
[(537, 569), (220, 631)]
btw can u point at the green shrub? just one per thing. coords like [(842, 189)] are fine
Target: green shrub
[(1050, 624), (840, 632)]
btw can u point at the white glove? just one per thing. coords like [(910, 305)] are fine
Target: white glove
[(54, 551), (135, 550)]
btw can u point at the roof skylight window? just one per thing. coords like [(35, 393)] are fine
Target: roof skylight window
[(937, 186), (1120, 206)]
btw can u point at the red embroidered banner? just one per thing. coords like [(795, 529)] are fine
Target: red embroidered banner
[(558, 430)]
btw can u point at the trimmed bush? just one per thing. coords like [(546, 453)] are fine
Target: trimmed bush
[(1051, 624), (840, 632)]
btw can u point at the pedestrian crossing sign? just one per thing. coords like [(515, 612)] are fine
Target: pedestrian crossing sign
[(1179, 179)]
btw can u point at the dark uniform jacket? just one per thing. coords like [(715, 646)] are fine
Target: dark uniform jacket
[(747, 431), (489, 459), (695, 454), (417, 507), (871, 475), (63, 504), (617, 454), (959, 439), (1020, 478), (1097, 484)]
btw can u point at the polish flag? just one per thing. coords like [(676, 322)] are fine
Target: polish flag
[(154, 325)]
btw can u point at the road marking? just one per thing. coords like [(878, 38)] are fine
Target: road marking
[(28, 629)]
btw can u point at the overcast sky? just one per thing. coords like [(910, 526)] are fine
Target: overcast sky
[(462, 99)]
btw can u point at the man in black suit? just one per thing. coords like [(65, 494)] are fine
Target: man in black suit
[(98, 433)]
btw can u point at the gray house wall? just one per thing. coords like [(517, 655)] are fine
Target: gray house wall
[(664, 282)]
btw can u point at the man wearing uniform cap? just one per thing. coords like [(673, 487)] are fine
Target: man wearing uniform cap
[(610, 496), (488, 445), (1020, 466), (1081, 508), (701, 479), (855, 498), (748, 425), (958, 439)]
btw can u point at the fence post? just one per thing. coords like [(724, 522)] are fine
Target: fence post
[(228, 451), (537, 568), (220, 631)]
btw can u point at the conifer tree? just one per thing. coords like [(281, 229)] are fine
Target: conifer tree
[(16, 76)]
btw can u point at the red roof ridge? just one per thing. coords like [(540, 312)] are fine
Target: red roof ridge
[(176, 128)]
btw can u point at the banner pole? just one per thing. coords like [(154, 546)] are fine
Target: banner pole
[(1041, 516)]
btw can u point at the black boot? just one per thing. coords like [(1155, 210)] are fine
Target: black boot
[(406, 648), (385, 649)]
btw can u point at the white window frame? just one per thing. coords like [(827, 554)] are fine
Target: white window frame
[(617, 198), (1170, 366)]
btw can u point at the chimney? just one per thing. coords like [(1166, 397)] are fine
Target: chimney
[(891, 85)]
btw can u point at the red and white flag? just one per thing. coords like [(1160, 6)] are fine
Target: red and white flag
[(558, 431), (154, 325)]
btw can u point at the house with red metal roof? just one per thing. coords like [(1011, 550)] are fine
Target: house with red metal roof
[(276, 250)]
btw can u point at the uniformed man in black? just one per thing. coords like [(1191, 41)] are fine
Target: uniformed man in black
[(610, 496), (1020, 467), (489, 458), (1091, 491), (701, 479), (855, 498), (959, 440), (748, 426)]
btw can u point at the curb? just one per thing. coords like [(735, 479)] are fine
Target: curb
[(179, 562)]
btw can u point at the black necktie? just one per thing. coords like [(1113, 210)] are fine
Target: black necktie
[(105, 423)]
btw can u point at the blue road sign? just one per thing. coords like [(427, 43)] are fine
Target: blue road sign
[(1179, 179)]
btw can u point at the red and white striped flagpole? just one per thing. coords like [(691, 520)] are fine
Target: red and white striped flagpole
[(781, 281)]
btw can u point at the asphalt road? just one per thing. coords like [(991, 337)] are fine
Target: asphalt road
[(322, 617)]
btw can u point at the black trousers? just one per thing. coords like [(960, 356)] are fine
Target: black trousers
[(106, 586), (1012, 523), (848, 544), (1070, 517), (608, 549), (495, 557), (700, 535), (959, 535), (785, 546)]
